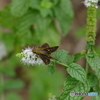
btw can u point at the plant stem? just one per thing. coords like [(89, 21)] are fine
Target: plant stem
[(87, 68), (87, 65), (62, 64), (91, 29)]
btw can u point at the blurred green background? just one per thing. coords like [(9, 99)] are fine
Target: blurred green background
[(32, 23)]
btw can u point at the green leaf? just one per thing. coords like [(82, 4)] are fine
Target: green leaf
[(41, 25), (7, 67), (38, 5), (94, 63), (96, 88), (13, 84), (31, 38), (92, 79), (8, 71), (72, 85), (46, 4), (64, 14), (35, 4), (45, 12), (25, 22), (9, 39), (96, 98), (51, 68), (6, 19), (55, 1), (69, 59), (76, 71), (13, 96), (19, 7), (79, 55), (50, 32), (63, 57)]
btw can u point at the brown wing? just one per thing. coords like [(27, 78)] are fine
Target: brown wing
[(45, 45), (45, 59), (51, 49)]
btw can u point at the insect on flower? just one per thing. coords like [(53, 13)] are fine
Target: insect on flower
[(44, 52)]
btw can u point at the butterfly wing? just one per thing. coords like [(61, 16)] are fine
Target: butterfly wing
[(45, 45), (45, 59), (51, 49), (46, 50)]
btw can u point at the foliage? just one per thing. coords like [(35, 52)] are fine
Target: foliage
[(71, 84), (33, 22), (95, 98), (44, 83), (14, 96), (94, 62)]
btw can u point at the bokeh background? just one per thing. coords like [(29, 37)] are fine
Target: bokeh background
[(65, 26)]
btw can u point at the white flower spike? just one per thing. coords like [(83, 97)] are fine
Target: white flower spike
[(29, 58), (88, 3)]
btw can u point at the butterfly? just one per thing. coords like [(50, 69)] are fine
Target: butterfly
[(44, 52)]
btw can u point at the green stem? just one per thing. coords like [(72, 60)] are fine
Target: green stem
[(87, 65), (87, 68), (62, 64)]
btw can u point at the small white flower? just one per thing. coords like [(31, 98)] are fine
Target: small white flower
[(3, 51), (88, 3), (29, 58)]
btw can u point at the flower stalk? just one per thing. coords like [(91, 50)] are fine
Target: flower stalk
[(91, 26), (91, 23)]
